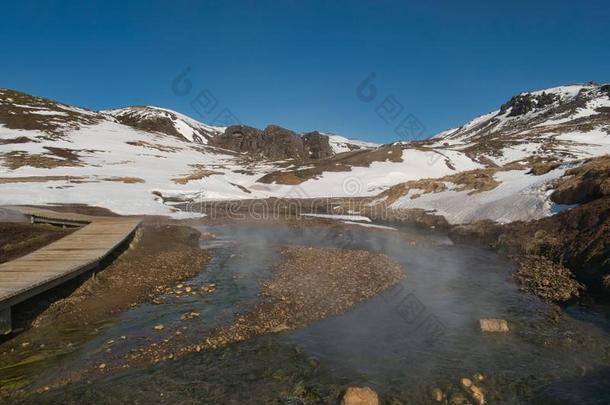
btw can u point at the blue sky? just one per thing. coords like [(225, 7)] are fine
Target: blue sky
[(299, 63)]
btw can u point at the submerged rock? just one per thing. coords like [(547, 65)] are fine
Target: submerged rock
[(457, 398), (493, 325), (438, 395), (477, 395), (189, 315), (360, 396)]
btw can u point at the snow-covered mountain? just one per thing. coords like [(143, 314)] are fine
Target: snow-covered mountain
[(139, 160), (523, 147), (340, 144), (157, 119), (565, 122)]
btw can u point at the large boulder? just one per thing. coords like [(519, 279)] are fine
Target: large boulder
[(274, 142), (493, 325)]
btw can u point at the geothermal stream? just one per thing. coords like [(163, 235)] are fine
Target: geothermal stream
[(419, 335)]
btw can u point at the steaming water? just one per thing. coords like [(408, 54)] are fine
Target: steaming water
[(420, 334)]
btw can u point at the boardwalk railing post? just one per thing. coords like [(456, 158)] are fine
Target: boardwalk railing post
[(5, 321)]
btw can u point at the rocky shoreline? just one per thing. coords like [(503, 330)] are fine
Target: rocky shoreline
[(157, 257), (308, 284), (558, 258), (160, 255), (311, 284), (561, 253)]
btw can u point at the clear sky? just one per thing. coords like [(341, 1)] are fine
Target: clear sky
[(299, 64)]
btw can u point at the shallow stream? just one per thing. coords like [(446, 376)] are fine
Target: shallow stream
[(419, 335)]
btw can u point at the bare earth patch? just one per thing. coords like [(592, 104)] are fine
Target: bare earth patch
[(19, 239), (195, 175), (16, 159), (19, 139), (543, 167), (155, 146), (64, 153), (473, 181), (126, 179), (70, 179), (40, 179)]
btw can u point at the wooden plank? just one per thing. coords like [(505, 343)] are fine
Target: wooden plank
[(20, 277), (64, 259)]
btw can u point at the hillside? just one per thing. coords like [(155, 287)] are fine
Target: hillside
[(524, 147), (139, 160)]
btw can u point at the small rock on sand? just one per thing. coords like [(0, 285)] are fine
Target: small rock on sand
[(360, 396), (189, 315), (159, 327), (493, 325)]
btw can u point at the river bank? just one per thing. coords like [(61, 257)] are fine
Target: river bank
[(379, 342)]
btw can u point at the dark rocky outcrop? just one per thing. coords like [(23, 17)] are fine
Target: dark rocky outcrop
[(524, 103), (318, 145), (274, 142)]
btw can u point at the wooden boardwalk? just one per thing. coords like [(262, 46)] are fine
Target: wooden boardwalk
[(70, 256)]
